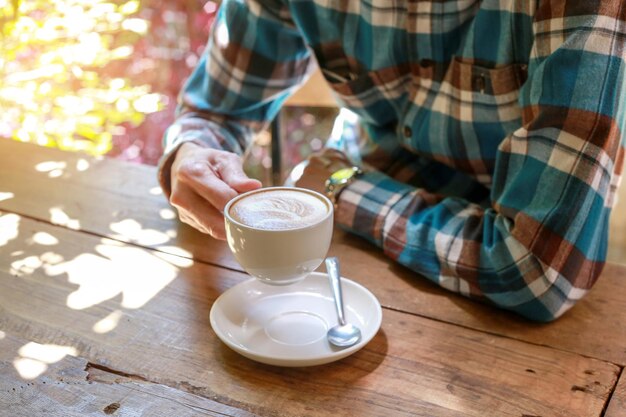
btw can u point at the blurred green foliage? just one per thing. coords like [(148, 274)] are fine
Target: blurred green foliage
[(57, 86)]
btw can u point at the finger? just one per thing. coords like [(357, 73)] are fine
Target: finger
[(191, 222), (210, 222), (198, 213), (206, 183), (231, 171)]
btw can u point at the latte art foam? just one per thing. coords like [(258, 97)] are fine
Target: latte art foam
[(279, 210)]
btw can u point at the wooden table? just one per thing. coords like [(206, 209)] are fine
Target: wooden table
[(105, 297)]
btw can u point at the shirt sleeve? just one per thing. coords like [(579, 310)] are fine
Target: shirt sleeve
[(255, 58), (540, 244)]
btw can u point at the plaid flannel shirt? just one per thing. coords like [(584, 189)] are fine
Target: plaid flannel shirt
[(495, 128)]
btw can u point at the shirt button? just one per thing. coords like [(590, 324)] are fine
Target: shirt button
[(427, 63), (479, 83), (407, 132)]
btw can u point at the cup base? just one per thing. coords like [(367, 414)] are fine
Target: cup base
[(280, 283)]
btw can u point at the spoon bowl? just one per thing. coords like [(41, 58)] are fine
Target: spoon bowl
[(344, 334)]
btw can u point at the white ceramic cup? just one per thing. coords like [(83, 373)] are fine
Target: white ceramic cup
[(279, 257)]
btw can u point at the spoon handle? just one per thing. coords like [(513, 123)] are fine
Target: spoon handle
[(332, 267)]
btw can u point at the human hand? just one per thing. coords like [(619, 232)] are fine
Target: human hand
[(203, 181), (320, 166)]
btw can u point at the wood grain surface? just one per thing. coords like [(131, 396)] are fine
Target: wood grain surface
[(102, 196), (144, 314), (617, 405), (122, 201), (72, 387)]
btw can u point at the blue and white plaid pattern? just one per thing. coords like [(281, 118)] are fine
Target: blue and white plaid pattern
[(494, 128)]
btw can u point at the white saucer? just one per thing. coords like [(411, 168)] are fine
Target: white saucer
[(286, 325)]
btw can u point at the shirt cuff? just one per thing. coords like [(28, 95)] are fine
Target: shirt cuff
[(364, 206)]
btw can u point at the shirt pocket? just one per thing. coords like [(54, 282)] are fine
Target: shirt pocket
[(481, 94), (375, 95), (465, 110)]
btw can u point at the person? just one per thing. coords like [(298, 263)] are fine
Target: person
[(492, 132)]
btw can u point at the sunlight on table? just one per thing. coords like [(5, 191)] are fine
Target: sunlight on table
[(59, 217), (6, 196), (114, 270), (45, 239), (108, 323), (9, 227), (131, 229), (167, 214), (155, 191), (53, 168), (82, 165), (35, 358)]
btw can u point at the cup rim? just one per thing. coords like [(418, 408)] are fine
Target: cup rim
[(321, 196)]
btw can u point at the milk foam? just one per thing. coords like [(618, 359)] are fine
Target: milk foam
[(279, 210)]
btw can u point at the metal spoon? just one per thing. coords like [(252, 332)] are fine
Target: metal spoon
[(343, 334)]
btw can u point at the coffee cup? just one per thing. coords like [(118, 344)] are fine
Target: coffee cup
[(279, 235)]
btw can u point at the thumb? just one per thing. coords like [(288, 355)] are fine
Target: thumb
[(233, 175)]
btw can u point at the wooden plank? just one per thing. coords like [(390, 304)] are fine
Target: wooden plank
[(122, 206), (146, 314), (617, 405), (38, 380)]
